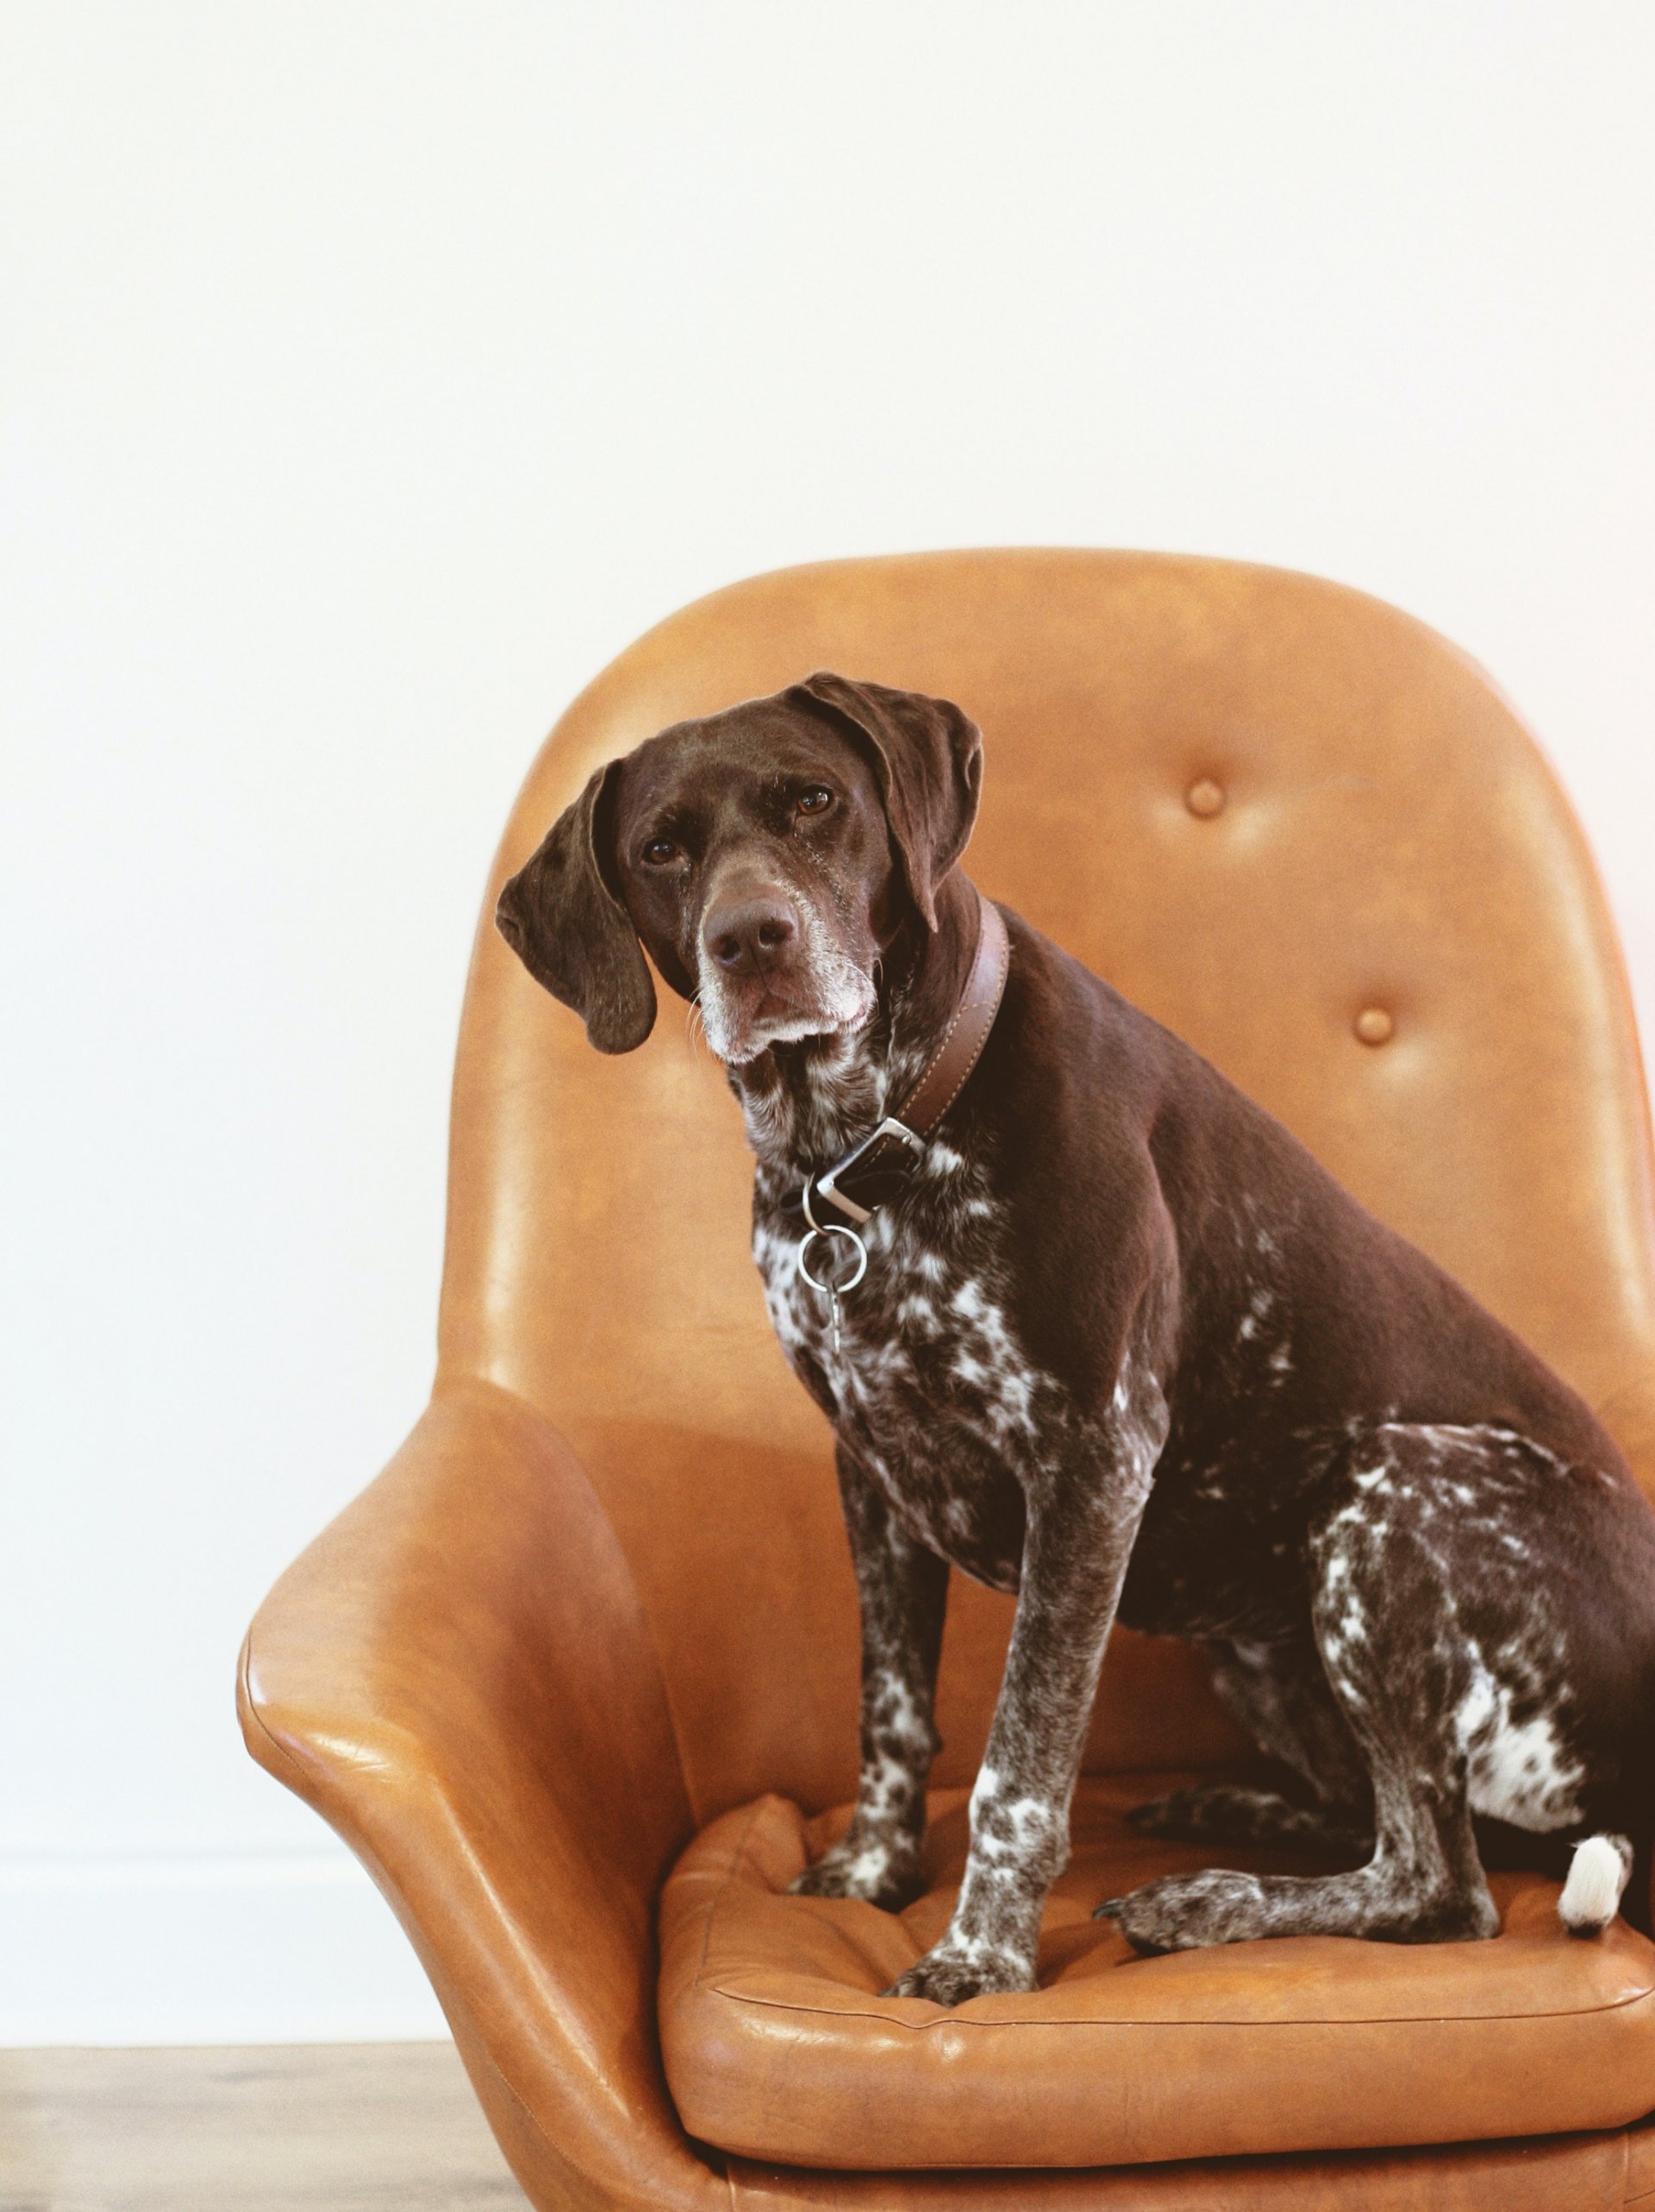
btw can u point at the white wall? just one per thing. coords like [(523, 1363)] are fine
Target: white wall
[(372, 374)]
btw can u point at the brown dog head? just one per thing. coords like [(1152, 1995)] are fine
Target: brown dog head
[(766, 857)]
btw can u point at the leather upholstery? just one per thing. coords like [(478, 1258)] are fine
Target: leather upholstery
[(602, 1596), (777, 2044)]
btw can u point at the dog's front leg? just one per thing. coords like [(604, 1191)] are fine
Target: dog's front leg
[(1081, 1526), (903, 1591)]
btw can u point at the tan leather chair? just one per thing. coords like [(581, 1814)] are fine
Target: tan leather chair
[(598, 1611)]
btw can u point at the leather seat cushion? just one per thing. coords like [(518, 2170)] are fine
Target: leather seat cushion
[(778, 2045)]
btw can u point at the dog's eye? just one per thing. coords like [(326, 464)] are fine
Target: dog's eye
[(659, 851), (816, 800)]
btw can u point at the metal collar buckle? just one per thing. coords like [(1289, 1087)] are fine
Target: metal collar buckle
[(826, 1186), (896, 1147), (828, 1182)]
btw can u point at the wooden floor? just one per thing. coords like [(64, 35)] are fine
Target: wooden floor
[(353, 2127)]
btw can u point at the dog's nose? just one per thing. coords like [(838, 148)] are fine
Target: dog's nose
[(750, 932)]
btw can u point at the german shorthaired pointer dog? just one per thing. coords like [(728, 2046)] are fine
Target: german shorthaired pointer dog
[(1092, 1326)]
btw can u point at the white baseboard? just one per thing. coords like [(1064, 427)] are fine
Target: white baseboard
[(295, 1948)]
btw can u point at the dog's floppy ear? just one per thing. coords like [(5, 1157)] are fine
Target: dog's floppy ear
[(565, 922), (927, 755)]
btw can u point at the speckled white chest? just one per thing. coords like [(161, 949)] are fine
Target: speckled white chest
[(936, 1397)]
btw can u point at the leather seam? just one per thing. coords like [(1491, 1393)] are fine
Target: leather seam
[(974, 1006), (1002, 971), (936, 1061), (281, 1756), (1235, 2161), (737, 1854), (1208, 2020)]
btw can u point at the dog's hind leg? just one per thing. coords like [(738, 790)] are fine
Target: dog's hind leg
[(1401, 1671), (1279, 1693)]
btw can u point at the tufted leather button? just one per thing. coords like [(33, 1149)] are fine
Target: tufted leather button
[(1205, 797), (1373, 1025)]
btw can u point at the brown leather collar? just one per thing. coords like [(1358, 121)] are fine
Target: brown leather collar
[(860, 1181)]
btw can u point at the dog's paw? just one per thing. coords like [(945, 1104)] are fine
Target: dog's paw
[(948, 1976), (874, 1873), (1184, 1912)]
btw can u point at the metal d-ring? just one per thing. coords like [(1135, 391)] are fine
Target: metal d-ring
[(833, 1290)]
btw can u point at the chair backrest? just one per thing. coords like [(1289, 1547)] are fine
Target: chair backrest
[(1274, 814)]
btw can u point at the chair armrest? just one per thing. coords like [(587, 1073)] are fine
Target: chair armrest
[(457, 1675)]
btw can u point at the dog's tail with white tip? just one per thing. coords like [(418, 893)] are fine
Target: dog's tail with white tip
[(1597, 1874)]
